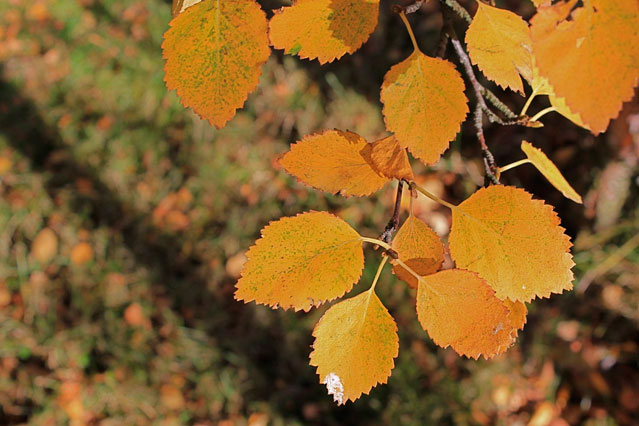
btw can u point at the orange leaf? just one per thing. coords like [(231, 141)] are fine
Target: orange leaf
[(334, 161), (355, 343), (499, 44), (550, 171), (301, 262), (458, 309), (592, 59), (214, 53), (541, 86), (419, 248), (512, 241), (323, 29), (424, 105), (390, 159), (517, 314)]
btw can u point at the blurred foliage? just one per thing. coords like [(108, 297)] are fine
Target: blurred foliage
[(124, 219)]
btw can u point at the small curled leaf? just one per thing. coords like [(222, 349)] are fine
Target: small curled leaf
[(550, 171)]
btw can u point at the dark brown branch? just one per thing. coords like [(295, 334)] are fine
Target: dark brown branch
[(393, 223)]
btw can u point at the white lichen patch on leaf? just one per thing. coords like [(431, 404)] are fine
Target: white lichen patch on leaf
[(335, 387)]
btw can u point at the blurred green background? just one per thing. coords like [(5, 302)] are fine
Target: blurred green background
[(124, 219)]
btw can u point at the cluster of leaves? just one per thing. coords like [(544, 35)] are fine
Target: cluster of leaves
[(508, 248)]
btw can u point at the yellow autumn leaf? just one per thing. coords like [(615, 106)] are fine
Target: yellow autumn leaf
[(590, 56), (301, 262), (550, 171), (214, 53), (458, 309), (419, 248), (355, 344), (336, 162), (424, 105), (499, 43), (513, 242), (390, 159), (323, 29)]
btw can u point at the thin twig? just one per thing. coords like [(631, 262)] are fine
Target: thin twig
[(459, 10), (393, 223), (493, 99), (489, 160)]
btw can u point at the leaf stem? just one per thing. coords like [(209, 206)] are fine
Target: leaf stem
[(419, 278), (543, 112), (376, 242), (399, 262), (433, 196), (513, 165), (379, 272), (529, 101), (410, 30)]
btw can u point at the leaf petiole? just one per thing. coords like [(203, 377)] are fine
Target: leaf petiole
[(513, 165), (543, 112), (433, 196), (528, 102), (379, 272), (399, 262), (410, 30)]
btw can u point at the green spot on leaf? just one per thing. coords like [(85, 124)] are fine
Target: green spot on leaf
[(295, 49)]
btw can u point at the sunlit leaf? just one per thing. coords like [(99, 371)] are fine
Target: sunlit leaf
[(424, 105), (498, 42), (301, 262), (214, 53), (323, 29), (550, 171), (336, 162), (458, 309), (419, 248), (355, 344), (513, 242), (590, 55)]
